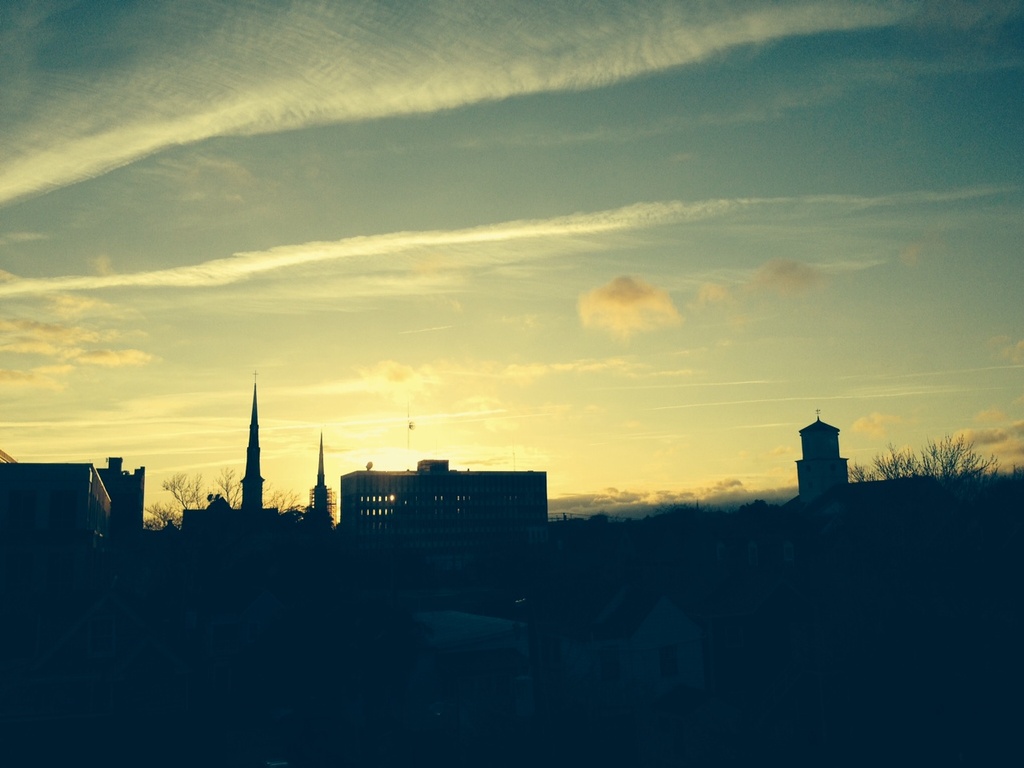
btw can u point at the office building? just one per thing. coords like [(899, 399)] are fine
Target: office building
[(448, 516)]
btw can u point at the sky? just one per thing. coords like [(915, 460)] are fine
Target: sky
[(636, 245)]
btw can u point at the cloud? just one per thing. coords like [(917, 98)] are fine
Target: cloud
[(786, 277), (397, 380), (20, 237), (30, 379), (992, 415), (102, 265), (627, 305), (474, 241), (726, 493), (710, 294), (1006, 443), (32, 337), (527, 373), (1007, 349), (156, 75), (485, 245), (71, 306), (67, 343), (114, 358), (875, 424)]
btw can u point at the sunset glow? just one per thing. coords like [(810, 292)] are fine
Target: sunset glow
[(635, 246)]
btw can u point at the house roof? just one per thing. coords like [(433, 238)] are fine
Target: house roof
[(624, 613), (745, 594)]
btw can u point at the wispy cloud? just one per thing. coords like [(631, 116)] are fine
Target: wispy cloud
[(28, 379), (241, 266), (1008, 349), (489, 244), (199, 70), (20, 237), (114, 358), (787, 277), (69, 344)]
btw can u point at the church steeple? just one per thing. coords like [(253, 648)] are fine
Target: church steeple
[(320, 469), (321, 500), (252, 482)]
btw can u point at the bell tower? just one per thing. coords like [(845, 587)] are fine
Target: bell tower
[(821, 467)]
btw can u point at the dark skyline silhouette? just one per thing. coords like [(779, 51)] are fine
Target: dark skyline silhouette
[(430, 625)]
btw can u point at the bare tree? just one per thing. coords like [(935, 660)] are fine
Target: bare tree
[(283, 501), (228, 486), (896, 463), (161, 514), (188, 491), (192, 492), (858, 473), (952, 461)]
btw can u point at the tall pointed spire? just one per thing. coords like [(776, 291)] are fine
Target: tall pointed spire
[(321, 500), (252, 482), (320, 469)]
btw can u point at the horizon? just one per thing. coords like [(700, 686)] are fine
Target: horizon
[(636, 248)]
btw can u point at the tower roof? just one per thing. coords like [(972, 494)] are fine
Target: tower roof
[(255, 418), (819, 426)]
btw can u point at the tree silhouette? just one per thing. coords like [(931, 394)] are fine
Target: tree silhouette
[(952, 461), (161, 514), (188, 491)]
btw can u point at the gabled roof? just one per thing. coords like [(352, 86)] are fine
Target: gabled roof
[(624, 613), (146, 640), (745, 594)]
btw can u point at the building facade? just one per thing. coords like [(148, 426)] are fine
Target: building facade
[(54, 520), (447, 516)]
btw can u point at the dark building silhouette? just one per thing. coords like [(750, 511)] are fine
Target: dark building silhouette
[(219, 522), (55, 522), (252, 482), (821, 467), (127, 498), (449, 517)]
